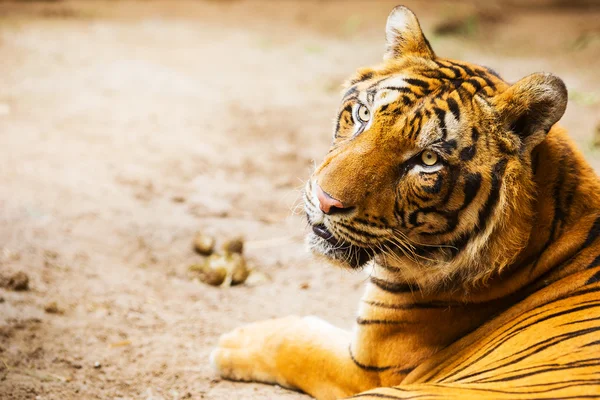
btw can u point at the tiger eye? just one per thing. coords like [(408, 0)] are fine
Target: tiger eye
[(429, 158), (363, 113)]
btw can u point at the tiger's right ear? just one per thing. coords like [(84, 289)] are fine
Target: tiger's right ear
[(404, 36)]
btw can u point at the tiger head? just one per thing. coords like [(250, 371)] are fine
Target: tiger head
[(431, 169)]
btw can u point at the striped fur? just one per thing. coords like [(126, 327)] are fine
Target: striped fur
[(486, 263)]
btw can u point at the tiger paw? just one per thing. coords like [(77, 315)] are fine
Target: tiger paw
[(251, 352)]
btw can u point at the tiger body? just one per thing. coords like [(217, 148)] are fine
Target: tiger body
[(482, 222)]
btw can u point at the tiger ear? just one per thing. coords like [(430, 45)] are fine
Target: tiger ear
[(404, 36), (530, 107)]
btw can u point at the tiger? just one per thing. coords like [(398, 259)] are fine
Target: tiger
[(480, 220)]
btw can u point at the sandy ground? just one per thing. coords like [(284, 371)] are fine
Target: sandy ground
[(127, 127)]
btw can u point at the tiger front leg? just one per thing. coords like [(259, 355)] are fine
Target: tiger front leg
[(307, 353)]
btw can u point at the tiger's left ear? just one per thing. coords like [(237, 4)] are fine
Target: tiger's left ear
[(404, 36), (530, 107)]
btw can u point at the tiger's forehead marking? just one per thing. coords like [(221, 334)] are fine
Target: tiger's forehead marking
[(430, 132), (395, 81), (382, 92), (435, 130)]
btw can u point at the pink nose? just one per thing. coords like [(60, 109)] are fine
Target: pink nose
[(327, 204)]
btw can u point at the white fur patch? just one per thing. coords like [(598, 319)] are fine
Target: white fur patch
[(429, 132), (418, 168), (316, 215), (394, 81), (397, 21), (384, 97)]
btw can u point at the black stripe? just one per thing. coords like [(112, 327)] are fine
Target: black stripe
[(467, 69), (467, 153), (441, 115), (415, 124), (490, 204), (413, 218), (446, 65), (554, 340), (365, 76), (593, 234), (485, 213), (347, 109), (594, 343), (356, 231), (454, 175), (594, 263), (594, 278), (417, 82), (571, 383), (546, 341), (387, 396), (580, 321), (363, 321), (453, 107), (476, 84), (349, 92), (510, 335), (449, 146), (492, 72), (401, 89), (472, 186), (371, 368), (459, 67), (488, 82), (411, 306), (558, 216), (437, 185), (567, 366)]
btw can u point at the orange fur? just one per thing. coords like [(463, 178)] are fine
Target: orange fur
[(482, 222)]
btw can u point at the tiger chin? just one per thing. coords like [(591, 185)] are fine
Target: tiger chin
[(482, 222)]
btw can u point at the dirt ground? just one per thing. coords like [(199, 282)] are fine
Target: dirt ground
[(126, 127)]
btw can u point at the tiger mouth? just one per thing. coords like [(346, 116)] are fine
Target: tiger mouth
[(340, 250), (322, 231)]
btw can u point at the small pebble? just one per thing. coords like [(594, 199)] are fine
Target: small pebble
[(227, 269), (2, 300), (204, 244), (178, 199), (304, 285), (52, 308), (239, 271), (214, 277), (209, 273), (18, 282), (234, 246), (97, 365)]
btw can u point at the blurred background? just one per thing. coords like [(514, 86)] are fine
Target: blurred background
[(128, 127)]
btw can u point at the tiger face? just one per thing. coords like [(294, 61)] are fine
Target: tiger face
[(431, 169)]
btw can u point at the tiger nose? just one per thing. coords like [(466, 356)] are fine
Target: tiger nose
[(328, 204)]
